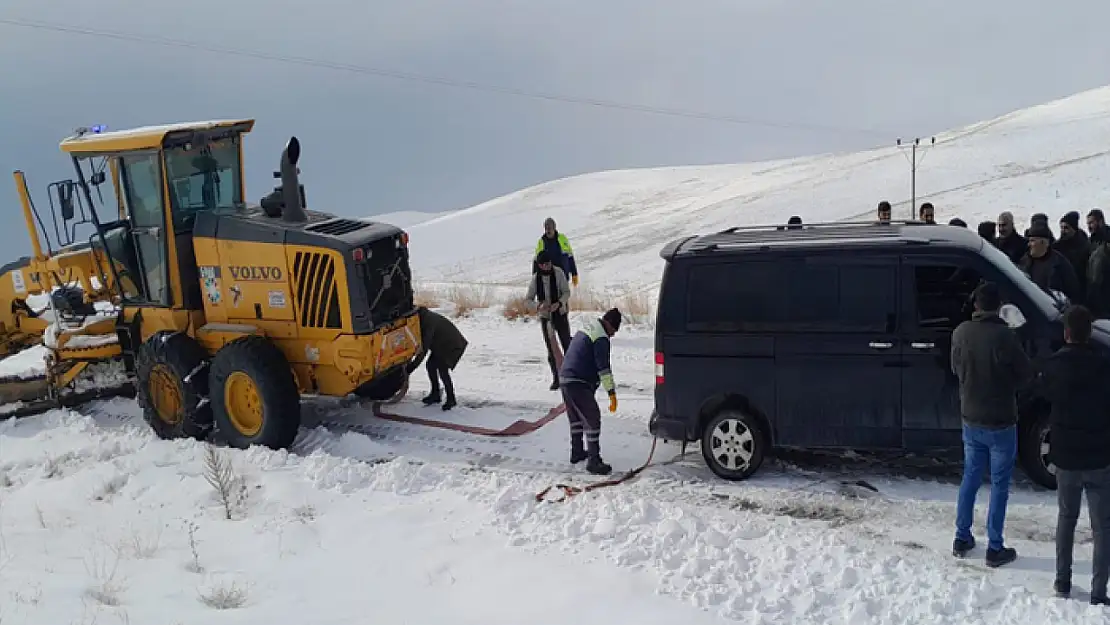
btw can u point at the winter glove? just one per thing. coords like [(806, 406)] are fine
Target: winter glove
[(574, 280), (612, 402)]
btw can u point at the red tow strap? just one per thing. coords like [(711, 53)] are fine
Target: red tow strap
[(519, 427), (570, 491)]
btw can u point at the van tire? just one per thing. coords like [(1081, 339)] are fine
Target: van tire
[(1031, 439), (735, 434)]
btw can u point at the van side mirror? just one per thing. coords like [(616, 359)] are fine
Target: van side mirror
[(1012, 316)]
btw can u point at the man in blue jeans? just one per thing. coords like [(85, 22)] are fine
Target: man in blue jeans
[(991, 365)]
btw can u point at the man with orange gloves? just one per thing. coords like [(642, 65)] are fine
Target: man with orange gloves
[(558, 250), (585, 367)]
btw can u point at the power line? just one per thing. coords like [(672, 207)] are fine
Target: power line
[(433, 80)]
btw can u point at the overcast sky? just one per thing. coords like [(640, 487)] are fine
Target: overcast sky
[(827, 76)]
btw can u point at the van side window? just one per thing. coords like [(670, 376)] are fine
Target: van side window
[(791, 295), (841, 297), (943, 295), (734, 297)]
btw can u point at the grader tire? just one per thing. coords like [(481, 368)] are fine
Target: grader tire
[(171, 385), (254, 396)]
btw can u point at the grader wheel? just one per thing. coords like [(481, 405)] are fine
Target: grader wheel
[(169, 397), (254, 396)]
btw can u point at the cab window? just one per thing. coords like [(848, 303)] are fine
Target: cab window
[(203, 177)]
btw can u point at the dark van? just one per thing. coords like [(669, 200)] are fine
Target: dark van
[(834, 336)]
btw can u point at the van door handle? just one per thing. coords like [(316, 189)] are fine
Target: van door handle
[(923, 345), (880, 345)]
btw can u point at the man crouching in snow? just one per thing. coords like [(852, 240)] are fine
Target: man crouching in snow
[(444, 346), (585, 367)]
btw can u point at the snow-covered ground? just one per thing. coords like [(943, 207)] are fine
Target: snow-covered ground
[(1050, 158), (406, 524), (368, 520)]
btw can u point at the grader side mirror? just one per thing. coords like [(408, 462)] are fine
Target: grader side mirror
[(64, 191)]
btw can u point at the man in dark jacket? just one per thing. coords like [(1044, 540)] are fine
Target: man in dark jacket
[(1074, 380), (1040, 220), (1098, 265), (1075, 247), (1048, 268), (1009, 241), (444, 346), (990, 364), (884, 212), (927, 213), (986, 229), (585, 367), (551, 292)]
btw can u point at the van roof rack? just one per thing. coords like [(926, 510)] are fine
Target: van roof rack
[(855, 233)]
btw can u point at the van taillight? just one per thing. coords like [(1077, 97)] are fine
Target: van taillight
[(658, 367)]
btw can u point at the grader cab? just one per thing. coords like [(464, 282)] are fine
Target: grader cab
[(225, 313)]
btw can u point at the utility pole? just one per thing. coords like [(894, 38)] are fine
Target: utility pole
[(913, 168)]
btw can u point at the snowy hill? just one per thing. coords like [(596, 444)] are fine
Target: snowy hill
[(1050, 158)]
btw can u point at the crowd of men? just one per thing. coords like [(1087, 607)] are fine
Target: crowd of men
[(1075, 263)]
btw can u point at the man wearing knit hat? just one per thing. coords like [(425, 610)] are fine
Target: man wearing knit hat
[(585, 367), (1048, 268), (1075, 247)]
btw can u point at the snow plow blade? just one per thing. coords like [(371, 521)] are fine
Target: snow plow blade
[(30, 407)]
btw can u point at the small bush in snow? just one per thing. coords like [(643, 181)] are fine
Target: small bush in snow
[(194, 565), (426, 298), (106, 587), (469, 297), (230, 487), (224, 596), (517, 308), (111, 488)]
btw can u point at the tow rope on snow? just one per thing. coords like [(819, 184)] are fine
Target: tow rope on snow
[(570, 491), (520, 427)]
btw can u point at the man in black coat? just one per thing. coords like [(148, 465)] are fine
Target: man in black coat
[(1073, 244), (1009, 241), (1048, 268), (444, 346), (1074, 380), (1098, 265)]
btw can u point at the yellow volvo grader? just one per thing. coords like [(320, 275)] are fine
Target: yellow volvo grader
[(225, 313)]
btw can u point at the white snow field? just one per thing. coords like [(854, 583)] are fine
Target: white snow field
[(374, 521), (1050, 158)]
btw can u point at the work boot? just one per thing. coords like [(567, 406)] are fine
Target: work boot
[(960, 548), (596, 465), (1062, 589), (577, 451), (998, 557), (450, 403), (432, 398), (1099, 600)]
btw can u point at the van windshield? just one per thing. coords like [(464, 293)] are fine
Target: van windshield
[(1040, 299)]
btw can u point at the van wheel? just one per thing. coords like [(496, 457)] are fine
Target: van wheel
[(1033, 445), (733, 445)]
